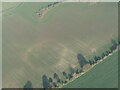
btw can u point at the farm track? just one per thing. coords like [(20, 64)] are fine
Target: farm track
[(79, 75), (3, 11)]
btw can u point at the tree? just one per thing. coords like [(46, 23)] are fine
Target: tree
[(96, 59), (45, 81), (110, 52), (55, 2), (69, 76), (50, 79), (56, 77), (99, 58), (58, 80), (55, 84), (81, 70), (65, 75), (114, 42), (81, 59), (77, 71), (65, 81), (106, 53), (62, 82), (111, 49), (49, 5), (28, 86), (103, 55), (114, 45), (71, 70), (93, 62), (90, 62)]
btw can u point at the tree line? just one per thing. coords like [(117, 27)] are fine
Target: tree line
[(40, 11), (55, 81)]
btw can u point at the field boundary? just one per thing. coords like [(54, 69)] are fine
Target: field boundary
[(83, 73)]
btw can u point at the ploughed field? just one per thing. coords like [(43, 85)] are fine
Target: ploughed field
[(33, 46), (104, 75)]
